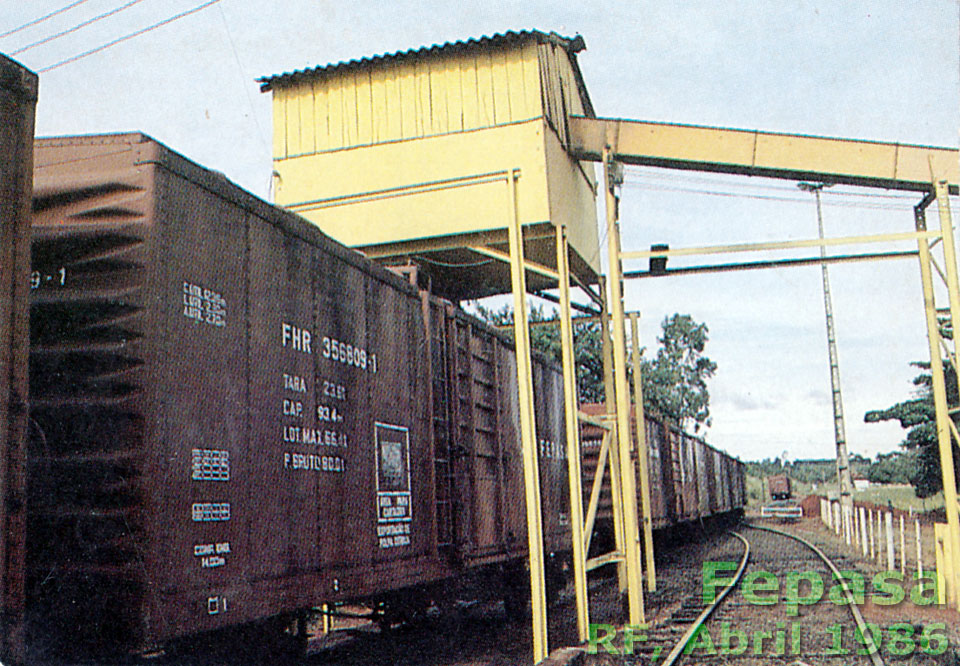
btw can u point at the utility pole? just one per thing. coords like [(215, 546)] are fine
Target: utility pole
[(844, 478)]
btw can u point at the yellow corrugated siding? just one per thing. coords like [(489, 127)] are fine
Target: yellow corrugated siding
[(279, 123), (438, 99), (485, 113), (364, 108), (424, 123), (454, 95), (516, 83), (432, 94), (501, 89), (531, 79), (321, 121), (471, 111), (407, 73), (470, 96), (305, 100), (335, 113)]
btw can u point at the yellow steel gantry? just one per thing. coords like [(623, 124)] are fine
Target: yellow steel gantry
[(897, 169), (935, 171), (615, 449)]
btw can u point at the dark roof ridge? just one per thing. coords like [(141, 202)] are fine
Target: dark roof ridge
[(572, 45)]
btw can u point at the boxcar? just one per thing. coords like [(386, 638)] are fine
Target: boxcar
[(689, 479), (240, 418), (18, 97)]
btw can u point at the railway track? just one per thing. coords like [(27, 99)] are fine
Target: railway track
[(738, 627)]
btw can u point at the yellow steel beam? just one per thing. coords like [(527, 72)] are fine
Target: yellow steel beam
[(781, 245), (609, 399), (595, 489), (770, 154), (538, 231), (953, 291), (592, 420), (572, 428), (772, 263), (642, 455), (531, 266), (602, 560), (528, 429), (938, 382), (628, 477)]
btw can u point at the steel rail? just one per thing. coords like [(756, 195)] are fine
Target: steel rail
[(678, 649), (875, 653)]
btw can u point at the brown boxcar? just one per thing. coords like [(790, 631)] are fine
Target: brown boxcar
[(779, 487), (689, 479), (486, 464), (18, 98), (242, 418)]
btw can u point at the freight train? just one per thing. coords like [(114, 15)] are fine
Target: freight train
[(236, 418), (239, 419), (690, 481)]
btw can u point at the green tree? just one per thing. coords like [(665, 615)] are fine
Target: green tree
[(676, 379), (674, 382), (918, 416)]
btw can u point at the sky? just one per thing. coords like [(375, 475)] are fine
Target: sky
[(884, 70)]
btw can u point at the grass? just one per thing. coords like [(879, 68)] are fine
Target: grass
[(901, 497)]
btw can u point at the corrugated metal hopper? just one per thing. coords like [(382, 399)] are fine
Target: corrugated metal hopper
[(406, 156)]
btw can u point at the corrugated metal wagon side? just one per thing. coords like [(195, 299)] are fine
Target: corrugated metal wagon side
[(689, 479), (18, 98), (235, 410), (486, 469)]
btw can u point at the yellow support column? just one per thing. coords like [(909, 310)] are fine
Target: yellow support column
[(573, 437), (609, 401), (953, 289), (528, 429), (939, 387), (642, 454), (628, 495)]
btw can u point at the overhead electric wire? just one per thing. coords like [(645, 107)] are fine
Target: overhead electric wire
[(770, 197), (103, 47), (645, 174), (82, 24), (246, 88), (43, 18)]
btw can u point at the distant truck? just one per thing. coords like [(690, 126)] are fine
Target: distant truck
[(781, 495), (779, 487)]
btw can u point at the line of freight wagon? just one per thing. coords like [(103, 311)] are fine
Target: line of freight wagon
[(234, 418)]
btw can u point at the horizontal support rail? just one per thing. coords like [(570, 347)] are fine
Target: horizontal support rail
[(774, 263), (595, 421), (780, 245), (531, 266), (770, 154), (601, 560)]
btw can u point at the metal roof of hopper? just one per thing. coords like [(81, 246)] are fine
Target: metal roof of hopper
[(572, 45)]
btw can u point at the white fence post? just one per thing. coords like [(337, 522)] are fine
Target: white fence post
[(919, 550), (890, 559), (903, 550), (863, 532)]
